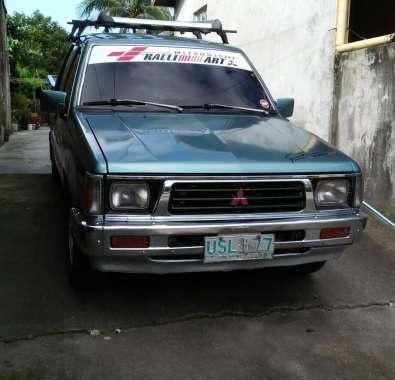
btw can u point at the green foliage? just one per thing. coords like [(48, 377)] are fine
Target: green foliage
[(28, 80), (20, 105), (37, 48), (126, 8), (36, 42)]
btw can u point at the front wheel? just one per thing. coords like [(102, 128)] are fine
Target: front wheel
[(81, 275)]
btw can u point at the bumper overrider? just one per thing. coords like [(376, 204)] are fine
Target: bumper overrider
[(298, 240)]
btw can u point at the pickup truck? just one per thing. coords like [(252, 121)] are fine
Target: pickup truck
[(176, 158)]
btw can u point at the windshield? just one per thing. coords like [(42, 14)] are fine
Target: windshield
[(202, 77)]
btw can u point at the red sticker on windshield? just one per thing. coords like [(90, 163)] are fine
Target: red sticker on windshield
[(264, 104)]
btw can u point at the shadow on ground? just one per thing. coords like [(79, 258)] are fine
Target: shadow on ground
[(38, 298)]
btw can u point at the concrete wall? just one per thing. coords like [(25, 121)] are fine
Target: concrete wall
[(5, 101), (364, 119), (292, 47)]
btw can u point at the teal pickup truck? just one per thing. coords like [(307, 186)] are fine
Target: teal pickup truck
[(176, 158)]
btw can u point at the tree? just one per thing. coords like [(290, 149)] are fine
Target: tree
[(37, 47), (36, 43), (125, 8)]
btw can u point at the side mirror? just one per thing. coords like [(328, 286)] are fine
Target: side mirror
[(50, 100), (285, 106)]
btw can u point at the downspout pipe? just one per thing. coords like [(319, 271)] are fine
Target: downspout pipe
[(343, 8), (369, 42)]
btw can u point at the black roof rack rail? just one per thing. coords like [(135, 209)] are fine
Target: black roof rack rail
[(107, 22)]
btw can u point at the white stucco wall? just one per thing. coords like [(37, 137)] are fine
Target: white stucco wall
[(292, 45), (365, 119)]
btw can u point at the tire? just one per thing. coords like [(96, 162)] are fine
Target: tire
[(306, 269), (54, 170), (80, 273)]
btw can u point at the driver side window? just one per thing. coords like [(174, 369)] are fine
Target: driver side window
[(70, 76)]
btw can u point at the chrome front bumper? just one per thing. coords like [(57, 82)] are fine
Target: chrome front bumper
[(93, 235)]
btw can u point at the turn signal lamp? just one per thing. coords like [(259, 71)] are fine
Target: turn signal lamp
[(334, 233), (130, 241)]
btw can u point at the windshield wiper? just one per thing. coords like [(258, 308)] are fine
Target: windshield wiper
[(210, 106), (131, 102)]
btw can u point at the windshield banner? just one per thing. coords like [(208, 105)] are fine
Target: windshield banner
[(164, 54)]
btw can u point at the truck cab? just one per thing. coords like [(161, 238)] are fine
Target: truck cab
[(176, 158)]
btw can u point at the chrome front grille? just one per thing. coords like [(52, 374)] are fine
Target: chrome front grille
[(236, 197)]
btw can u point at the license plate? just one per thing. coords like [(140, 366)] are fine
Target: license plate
[(241, 247)]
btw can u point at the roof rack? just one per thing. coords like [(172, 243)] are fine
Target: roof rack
[(196, 27)]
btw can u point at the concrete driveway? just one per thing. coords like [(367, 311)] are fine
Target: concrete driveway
[(336, 324)]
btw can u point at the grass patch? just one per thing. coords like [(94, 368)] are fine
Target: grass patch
[(8, 375)]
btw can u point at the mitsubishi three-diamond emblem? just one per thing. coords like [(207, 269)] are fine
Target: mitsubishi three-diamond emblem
[(239, 199)]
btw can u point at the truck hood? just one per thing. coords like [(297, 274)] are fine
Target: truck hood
[(167, 143)]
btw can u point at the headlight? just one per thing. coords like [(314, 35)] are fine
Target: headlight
[(125, 196), (330, 194)]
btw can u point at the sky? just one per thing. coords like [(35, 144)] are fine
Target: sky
[(61, 11)]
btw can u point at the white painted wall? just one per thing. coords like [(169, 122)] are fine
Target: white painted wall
[(291, 42)]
